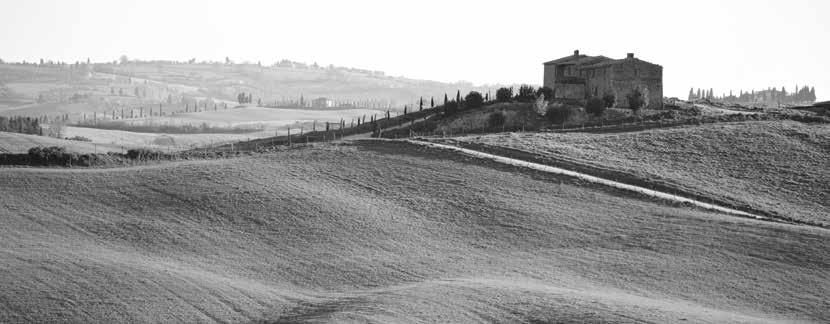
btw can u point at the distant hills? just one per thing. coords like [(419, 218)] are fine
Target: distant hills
[(35, 89)]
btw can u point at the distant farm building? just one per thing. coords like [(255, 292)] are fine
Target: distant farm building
[(322, 102), (579, 77)]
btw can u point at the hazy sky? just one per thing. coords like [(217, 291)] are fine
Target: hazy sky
[(719, 44)]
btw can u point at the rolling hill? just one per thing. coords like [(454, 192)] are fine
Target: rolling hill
[(384, 232), (778, 166)]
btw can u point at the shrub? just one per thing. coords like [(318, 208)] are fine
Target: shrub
[(526, 94), (473, 100), (609, 100), (450, 108), (36, 152), (135, 153), (595, 106), (635, 100), (88, 159), (504, 94), (79, 138), (51, 155), (496, 119), (547, 92), (142, 154), (559, 114)]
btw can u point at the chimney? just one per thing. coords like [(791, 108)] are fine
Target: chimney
[(576, 53), (630, 55)]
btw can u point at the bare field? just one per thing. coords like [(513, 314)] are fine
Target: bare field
[(384, 232), (173, 142), (780, 166), (21, 143), (271, 121), (256, 116)]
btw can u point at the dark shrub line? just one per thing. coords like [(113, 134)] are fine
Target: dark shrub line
[(59, 156)]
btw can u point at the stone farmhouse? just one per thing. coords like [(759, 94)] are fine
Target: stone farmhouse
[(578, 77), (322, 102)]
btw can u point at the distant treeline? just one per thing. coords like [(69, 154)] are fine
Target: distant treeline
[(770, 96), (204, 128), (23, 125)]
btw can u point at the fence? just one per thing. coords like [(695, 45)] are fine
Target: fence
[(376, 128)]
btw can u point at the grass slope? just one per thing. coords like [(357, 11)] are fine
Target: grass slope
[(780, 166), (384, 232)]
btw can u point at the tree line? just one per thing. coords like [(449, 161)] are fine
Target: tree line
[(475, 99), (23, 125), (769, 96)]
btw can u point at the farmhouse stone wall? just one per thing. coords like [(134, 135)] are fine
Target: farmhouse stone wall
[(569, 91), (550, 73)]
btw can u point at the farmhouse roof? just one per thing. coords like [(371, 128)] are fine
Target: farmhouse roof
[(629, 59), (577, 58)]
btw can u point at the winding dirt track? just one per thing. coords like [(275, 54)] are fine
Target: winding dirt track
[(589, 178)]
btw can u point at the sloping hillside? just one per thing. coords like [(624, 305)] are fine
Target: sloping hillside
[(384, 232), (778, 166)]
